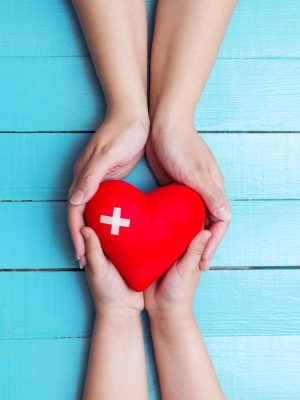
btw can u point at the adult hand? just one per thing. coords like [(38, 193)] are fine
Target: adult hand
[(180, 154), (113, 151)]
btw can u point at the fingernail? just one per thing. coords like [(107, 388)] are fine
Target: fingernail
[(224, 213), (205, 238), (77, 257), (86, 234), (80, 266), (77, 197)]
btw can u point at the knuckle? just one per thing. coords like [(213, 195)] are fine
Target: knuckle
[(222, 178), (198, 251), (88, 177), (104, 149), (216, 196), (201, 169)]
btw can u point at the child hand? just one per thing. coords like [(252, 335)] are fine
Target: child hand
[(172, 295), (184, 157), (112, 153), (112, 296)]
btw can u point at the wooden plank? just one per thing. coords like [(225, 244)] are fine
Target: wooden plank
[(262, 234), (45, 165), (257, 30), (51, 305), (256, 368), (60, 34), (39, 94)]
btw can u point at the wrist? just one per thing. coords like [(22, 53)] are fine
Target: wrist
[(173, 127), (171, 316), (170, 115), (119, 320), (119, 329), (172, 327), (111, 313), (178, 307), (128, 112)]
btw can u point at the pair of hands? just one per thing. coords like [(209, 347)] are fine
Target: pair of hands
[(170, 296), (175, 153)]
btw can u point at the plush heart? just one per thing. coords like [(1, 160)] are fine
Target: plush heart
[(144, 234)]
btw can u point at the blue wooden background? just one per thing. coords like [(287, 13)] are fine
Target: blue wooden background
[(248, 304)]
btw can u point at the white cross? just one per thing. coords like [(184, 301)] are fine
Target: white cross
[(115, 221)]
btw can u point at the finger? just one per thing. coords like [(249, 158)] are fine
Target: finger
[(76, 222), (89, 180), (83, 159), (214, 197), (75, 213), (82, 262), (218, 230), (94, 254), (192, 256)]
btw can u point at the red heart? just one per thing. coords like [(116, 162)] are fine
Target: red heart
[(150, 231)]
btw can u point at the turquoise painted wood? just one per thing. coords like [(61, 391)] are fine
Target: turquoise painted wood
[(262, 234), (63, 94), (45, 169), (271, 372), (250, 317), (258, 29), (57, 305)]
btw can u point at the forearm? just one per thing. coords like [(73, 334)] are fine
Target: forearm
[(117, 366), (184, 366), (116, 35), (184, 49)]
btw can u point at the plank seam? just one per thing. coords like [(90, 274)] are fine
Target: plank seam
[(276, 267), (205, 132), (146, 336), (65, 200)]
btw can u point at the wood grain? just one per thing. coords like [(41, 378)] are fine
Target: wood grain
[(255, 166), (262, 234), (40, 94), (250, 317), (253, 367), (51, 305), (258, 29)]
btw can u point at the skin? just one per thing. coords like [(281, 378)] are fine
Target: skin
[(184, 49), (117, 368), (184, 366), (116, 34)]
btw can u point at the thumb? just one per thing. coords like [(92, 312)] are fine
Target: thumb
[(89, 180), (214, 198), (192, 256), (93, 250)]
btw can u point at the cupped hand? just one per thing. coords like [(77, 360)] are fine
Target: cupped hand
[(173, 293), (113, 151), (111, 294), (183, 156)]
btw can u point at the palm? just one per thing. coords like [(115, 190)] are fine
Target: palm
[(114, 290), (189, 163), (169, 288), (112, 153)]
